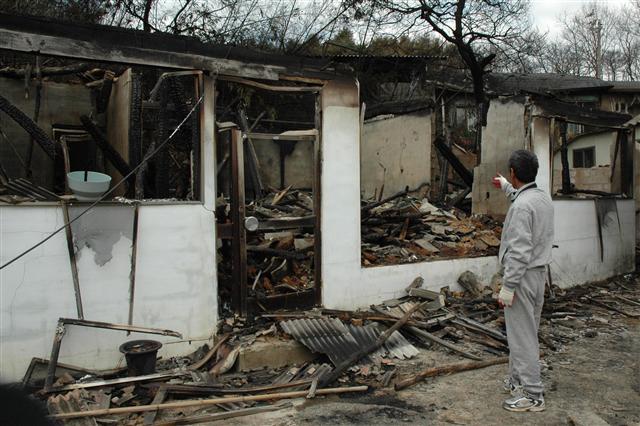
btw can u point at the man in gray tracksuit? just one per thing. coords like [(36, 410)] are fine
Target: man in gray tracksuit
[(525, 252)]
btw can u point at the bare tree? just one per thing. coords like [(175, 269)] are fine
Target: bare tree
[(597, 41), (478, 29)]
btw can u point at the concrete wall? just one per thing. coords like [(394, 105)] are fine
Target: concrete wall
[(577, 258), (395, 152), (175, 274), (595, 178), (298, 166), (504, 133), (345, 284), (61, 104), (175, 281)]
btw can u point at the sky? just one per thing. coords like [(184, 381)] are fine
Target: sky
[(545, 12)]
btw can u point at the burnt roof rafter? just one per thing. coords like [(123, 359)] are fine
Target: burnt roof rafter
[(122, 45)]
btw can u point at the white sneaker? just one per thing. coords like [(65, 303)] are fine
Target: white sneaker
[(524, 401)]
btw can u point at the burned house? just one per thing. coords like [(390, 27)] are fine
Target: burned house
[(257, 202)]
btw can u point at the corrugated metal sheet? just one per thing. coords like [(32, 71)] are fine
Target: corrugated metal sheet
[(338, 341), (325, 335), (396, 345)]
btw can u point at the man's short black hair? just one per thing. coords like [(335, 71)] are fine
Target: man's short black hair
[(524, 164)]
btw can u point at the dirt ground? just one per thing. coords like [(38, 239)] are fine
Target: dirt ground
[(589, 381)]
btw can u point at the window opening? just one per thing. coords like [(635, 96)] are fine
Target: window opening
[(584, 157)]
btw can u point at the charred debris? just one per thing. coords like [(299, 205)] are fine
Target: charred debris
[(345, 352)]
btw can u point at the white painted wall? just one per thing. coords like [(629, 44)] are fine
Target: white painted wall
[(347, 285), (602, 142), (175, 284), (175, 277), (503, 134), (577, 259), (395, 152)]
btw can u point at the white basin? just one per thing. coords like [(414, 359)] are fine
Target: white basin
[(91, 189)]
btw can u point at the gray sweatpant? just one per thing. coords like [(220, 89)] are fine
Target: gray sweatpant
[(522, 319)]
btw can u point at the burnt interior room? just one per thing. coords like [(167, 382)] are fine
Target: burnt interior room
[(267, 151), (60, 116)]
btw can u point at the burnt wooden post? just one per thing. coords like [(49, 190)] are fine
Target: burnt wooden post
[(317, 202), (564, 157), (72, 260), (239, 244)]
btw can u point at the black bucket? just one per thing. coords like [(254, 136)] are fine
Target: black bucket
[(141, 356)]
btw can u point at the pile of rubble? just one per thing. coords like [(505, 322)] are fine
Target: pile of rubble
[(280, 250), (344, 351), (281, 260), (406, 230)]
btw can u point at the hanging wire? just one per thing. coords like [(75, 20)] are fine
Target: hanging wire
[(144, 160)]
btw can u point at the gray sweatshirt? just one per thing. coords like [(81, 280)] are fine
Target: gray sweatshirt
[(527, 234)]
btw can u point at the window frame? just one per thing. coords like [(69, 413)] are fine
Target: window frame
[(580, 153)]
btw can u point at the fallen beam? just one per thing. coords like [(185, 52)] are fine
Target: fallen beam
[(592, 301), (213, 390), (198, 365), (277, 253), (222, 416), (428, 336), (204, 402), (448, 369), (109, 151), (46, 71), (29, 126), (123, 327), (457, 165), (120, 381), (370, 206)]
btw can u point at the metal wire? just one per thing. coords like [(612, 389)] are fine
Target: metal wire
[(144, 160)]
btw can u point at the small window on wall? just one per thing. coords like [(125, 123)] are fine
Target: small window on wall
[(584, 157)]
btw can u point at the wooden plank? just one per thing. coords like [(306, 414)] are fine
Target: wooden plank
[(161, 394), (222, 416), (132, 274), (206, 402), (118, 114), (287, 223), (72, 260), (239, 244), (448, 369), (24, 41), (120, 381), (317, 201), (123, 327), (271, 87), (428, 336), (303, 135), (208, 141)]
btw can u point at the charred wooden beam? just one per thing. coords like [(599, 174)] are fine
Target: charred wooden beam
[(123, 327), (278, 253), (46, 71), (370, 206), (448, 369), (461, 170), (27, 124), (109, 151), (564, 158)]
